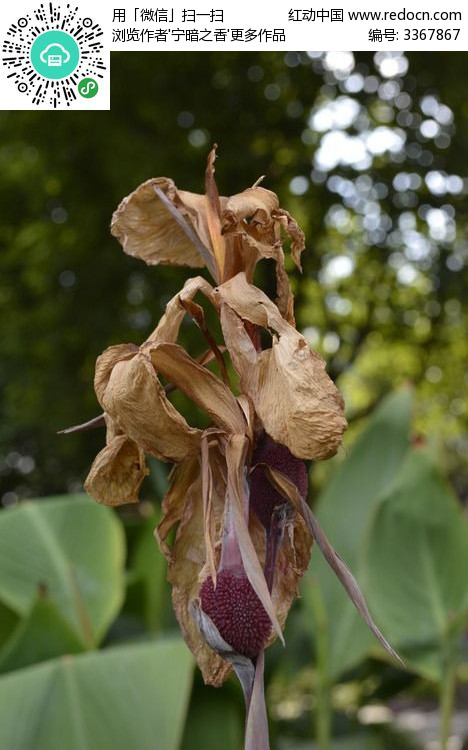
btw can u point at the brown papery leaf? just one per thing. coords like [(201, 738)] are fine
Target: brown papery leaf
[(202, 387), (106, 362), (169, 325), (294, 397), (182, 477), (289, 490), (148, 230), (293, 230), (187, 562), (293, 561), (235, 458), (213, 215), (255, 204), (209, 520), (136, 401), (117, 473)]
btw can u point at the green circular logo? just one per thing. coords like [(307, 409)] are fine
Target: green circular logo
[(54, 54), (88, 88)]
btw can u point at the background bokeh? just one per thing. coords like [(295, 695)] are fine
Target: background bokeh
[(369, 152)]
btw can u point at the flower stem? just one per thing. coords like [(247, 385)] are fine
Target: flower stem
[(447, 687), (323, 705)]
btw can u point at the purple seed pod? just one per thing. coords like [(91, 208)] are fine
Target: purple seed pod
[(237, 612), (263, 496)]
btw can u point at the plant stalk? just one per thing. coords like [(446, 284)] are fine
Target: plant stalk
[(447, 687), (323, 706)]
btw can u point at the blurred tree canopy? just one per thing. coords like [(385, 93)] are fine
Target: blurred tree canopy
[(368, 152)]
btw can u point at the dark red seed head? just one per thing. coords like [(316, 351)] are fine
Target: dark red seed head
[(263, 496), (237, 612)]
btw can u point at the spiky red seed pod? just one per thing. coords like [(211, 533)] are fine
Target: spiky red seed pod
[(263, 496), (237, 612)]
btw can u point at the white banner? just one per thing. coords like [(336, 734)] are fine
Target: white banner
[(57, 56)]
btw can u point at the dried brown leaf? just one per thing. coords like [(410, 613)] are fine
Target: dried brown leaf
[(187, 561), (289, 490), (182, 477), (293, 230), (294, 397), (255, 204), (169, 325), (209, 520), (293, 561), (117, 473), (106, 362), (136, 401), (201, 385), (147, 230), (213, 215)]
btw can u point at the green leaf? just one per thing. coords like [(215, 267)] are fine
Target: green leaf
[(344, 506), (149, 586), (127, 697), (74, 550), (8, 622), (417, 558), (42, 635), (215, 719), (344, 510)]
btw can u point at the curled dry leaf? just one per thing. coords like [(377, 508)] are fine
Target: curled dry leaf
[(147, 230), (336, 563), (187, 559), (117, 472), (106, 362), (202, 387), (136, 401), (294, 397), (168, 327)]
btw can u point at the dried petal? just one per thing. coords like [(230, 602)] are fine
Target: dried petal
[(293, 230), (182, 477), (202, 387), (188, 559), (294, 397), (213, 215), (169, 325), (106, 362), (117, 473), (136, 401), (255, 204), (209, 520), (147, 230)]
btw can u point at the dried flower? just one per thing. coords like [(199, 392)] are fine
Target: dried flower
[(238, 488)]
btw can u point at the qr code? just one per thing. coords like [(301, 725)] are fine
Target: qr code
[(53, 55)]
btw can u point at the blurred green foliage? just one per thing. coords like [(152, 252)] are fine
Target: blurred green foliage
[(369, 152)]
